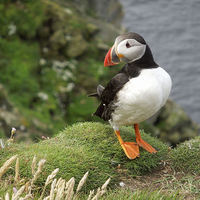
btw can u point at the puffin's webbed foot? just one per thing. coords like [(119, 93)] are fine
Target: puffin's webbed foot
[(141, 142), (131, 149), (145, 146)]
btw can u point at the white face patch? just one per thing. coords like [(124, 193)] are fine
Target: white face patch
[(131, 49)]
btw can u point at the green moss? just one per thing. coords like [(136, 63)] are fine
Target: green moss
[(87, 147), (186, 156), (19, 73), (4, 190), (19, 62), (81, 108), (26, 16), (2, 135)]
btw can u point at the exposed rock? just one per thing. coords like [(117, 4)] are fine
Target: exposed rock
[(107, 31), (109, 10), (76, 47), (174, 124), (57, 39), (92, 29)]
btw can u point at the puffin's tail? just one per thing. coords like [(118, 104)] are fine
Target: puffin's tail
[(97, 94)]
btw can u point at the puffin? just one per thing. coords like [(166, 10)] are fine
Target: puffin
[(135, 93)]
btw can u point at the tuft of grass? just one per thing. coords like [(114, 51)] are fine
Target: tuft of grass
[(186, 157), (85, 147), (124, 194), (186, 184)]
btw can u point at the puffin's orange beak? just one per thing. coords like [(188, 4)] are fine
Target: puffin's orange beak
[(111, 58), (108, 59)]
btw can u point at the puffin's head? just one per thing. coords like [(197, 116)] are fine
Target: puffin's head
[(127, 48)]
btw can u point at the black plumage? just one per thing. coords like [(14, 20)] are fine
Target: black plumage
[(107, 96)]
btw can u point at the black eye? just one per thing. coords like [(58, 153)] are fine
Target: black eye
[(128, 45)]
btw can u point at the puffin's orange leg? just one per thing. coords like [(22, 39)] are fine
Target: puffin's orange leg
[(131, 149), (141, 142)]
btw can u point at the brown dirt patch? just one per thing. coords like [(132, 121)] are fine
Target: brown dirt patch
[(166, 180)]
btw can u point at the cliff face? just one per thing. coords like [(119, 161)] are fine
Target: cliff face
[(108, 10), (51, 57)]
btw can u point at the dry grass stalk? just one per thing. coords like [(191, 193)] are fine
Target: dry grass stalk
[(104, 186), (82, 182), (21, 181), (7, 196), (90, 195), (27, 197), (102, 191), (48, 181), (70, 189), (18, 193), (38, 172), (27, 185), (51, 176), (53, 185), (33, 165), (60, 191), (58, 182), (97, 194), (17, 171), (67, 185), (6, 165)]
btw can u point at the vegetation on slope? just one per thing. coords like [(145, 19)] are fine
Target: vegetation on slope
[(88, 147), (186, 157), (93, 147), (123, 194)]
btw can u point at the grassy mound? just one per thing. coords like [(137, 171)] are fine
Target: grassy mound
[(87, 147), (186, 156)]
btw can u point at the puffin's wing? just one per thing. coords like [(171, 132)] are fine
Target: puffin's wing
[(105, 108), (100, 89), (97, 94), (115, 84)]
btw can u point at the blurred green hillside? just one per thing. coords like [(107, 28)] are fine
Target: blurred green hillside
[(51, 57)]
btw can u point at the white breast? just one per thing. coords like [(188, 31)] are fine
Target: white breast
[(141, 97)]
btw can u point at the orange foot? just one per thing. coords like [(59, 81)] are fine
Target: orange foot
[(131, 149), (141, 142), (145, 145)]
